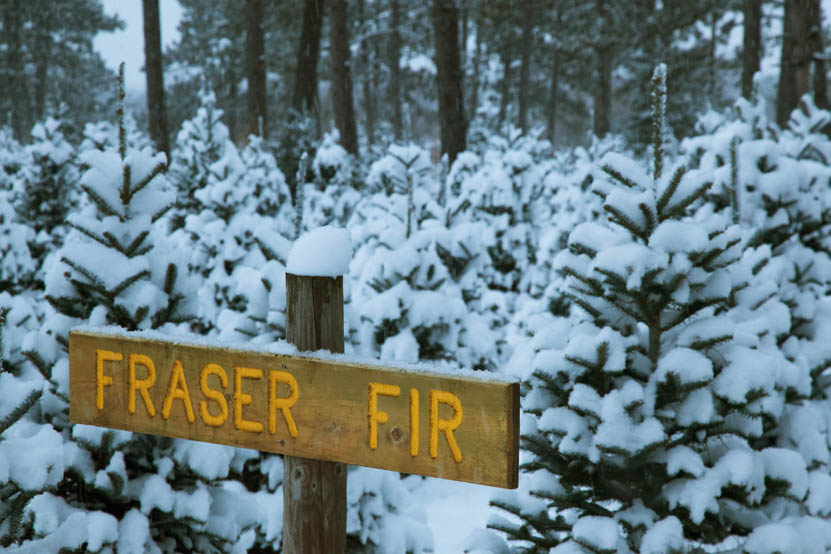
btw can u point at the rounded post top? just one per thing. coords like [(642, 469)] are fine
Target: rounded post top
[(322, 252)]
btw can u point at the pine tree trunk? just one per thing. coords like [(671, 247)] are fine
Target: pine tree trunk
[(367, 72), (464, 8), (603, 91), (504, 88), (395, 70), (525, 68), (255, 68), (711, 81), (16, 82), (374, 84), (231, 103), (449, 78), (304, 97), (342, 99), (795, 72), (552, 95), (752, 43), (477, 63), (603, 78), (156, 113), (820, 81), (44, 53)]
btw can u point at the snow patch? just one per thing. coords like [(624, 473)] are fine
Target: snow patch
[(325, 251)]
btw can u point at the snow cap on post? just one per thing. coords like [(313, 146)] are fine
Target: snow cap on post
[(323, 252)]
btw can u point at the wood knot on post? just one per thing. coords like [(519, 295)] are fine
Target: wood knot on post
[(397, 435)]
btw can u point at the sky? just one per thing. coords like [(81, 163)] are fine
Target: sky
[(127, 45)]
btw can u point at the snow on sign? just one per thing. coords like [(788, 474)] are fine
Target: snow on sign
[(439, 425)]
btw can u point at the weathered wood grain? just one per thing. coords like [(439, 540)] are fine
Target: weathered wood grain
[(331, 412), (314, 490)]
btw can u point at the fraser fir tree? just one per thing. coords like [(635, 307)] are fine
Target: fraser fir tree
[(17, 268), (201, 142), (89, 488), (507, 193), (409, 296), (777, 183), (243, 211), (45, 186), (16, 487), (111, 263), (652, 420)]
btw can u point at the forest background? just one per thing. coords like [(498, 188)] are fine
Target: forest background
[(371, 69), (623, 205)]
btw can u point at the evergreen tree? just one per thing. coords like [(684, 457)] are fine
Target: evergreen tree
[(44, 187), (255, 68), (103, 135), (239, 212), (691, 38), (268, 192), (114, 489), (383, 516), (445, 16), (106, 261), (653, 420), (417, 292), (11, 155), (507, 193), (17, 268), (201, 142), (213, 40), (332, 198), (50, 66), (156, 112), (19, 482)]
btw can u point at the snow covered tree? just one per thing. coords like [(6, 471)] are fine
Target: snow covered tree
[(240, 263), (17, 266), (506, 191), (416, 272), (201, 142), (244, 214), (51, 63), (11, 155), (110, 262), (382, 516), (268, 192), (653, 421), (778, 183), (92, 488), (332, 197), (45, 185), (103, 135), (18, 483)]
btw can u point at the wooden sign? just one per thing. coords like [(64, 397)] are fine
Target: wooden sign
[(439, 425)]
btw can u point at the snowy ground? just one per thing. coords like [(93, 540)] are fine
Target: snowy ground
[(454, 510)]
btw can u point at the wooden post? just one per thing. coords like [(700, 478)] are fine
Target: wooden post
[(314, 491)]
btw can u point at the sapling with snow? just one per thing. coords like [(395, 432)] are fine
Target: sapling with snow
[(17, 264), (17, 488), (411, 292), (45, 187), (333, 196), (648, 422), (113, 489), (111, 259), (202, 141)]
